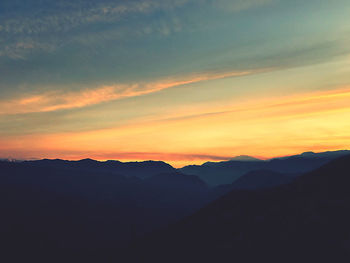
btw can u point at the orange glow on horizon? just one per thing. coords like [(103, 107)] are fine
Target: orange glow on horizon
[(267, 128)]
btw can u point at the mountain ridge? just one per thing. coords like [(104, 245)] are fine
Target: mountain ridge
[(305, 220), (226, 172)]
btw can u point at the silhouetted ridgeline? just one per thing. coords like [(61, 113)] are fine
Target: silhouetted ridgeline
[(217, 173), (55, 209), (304, 221), (138, 169), (90, 211)]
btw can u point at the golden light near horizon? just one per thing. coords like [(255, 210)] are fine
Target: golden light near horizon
[(265, 128), (179, 81)]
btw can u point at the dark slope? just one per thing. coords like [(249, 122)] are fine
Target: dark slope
[(305, 221), (255, 180), (227, 172), (261, 179), (54, 212), (176, 180)]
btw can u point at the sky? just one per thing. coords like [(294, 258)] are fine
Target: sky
[(183, 81)]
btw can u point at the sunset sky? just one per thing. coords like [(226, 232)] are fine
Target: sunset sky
[(183, 81)]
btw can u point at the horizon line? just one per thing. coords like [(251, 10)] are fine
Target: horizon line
[(260, 158)]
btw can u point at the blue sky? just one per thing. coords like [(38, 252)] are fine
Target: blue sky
[(74, 43)]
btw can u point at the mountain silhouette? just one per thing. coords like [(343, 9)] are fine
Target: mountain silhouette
[(91, 211), (306, 220), (244, 158), (54, 209), (260, 179), (138, 169), (176, 180), (218, 173)]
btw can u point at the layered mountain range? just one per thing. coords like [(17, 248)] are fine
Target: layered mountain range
[(56, 210), (306, 220)]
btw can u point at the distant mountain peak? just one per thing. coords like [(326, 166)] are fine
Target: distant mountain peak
[(246, 158), (88, 160), (307, 153), (326, 154)]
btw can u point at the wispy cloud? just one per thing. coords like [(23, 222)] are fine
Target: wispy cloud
[(67, 16), (71, 19), (23, 32), (292, 106), (58, 100), (74, 16), (239, 5), (24, 46)]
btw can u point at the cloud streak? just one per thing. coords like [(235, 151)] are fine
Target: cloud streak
[(51, 20), (23, 32), (74, 16), (67, 16), (58, 100), (263, 127)]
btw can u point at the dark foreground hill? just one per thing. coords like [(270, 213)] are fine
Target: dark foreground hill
[(89, 211), (56, 211), (261, 179), (307, 220), (54, 208)]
